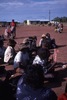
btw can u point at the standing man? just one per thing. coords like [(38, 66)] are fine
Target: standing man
[(13, 28)]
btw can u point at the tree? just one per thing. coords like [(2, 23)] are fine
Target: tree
[(60, 19)]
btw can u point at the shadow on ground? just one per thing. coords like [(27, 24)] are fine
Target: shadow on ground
[(60, 75)]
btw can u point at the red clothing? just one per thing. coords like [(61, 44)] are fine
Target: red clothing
[(63, 97), (12, 23)]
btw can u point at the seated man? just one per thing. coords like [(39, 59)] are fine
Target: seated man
[(10, 52), (2, 51), (43, 37), (31, 85), (22, 57), (42, 56), (6, 90)]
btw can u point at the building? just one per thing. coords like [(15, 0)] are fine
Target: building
[(37, 21)]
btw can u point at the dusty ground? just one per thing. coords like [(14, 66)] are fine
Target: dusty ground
[(61, 40)]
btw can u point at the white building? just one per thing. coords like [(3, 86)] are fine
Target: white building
[(37, 21)]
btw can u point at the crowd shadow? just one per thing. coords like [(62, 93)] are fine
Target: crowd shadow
[(60, 46), (60, 76), (21, 37), (26, 36)]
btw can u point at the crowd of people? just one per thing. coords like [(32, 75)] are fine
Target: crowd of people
[(32, 62), (59, 27)]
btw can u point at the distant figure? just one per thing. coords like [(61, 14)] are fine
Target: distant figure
[(31, 85), (13, 28), (10, 31), (62, 27), (7, 32), (59, 28)]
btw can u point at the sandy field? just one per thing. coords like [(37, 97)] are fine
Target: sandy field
[(61, 40)]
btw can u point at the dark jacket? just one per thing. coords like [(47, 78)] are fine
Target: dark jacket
[(25, 92)]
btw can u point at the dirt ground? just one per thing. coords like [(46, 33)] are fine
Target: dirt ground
[(61, 40)]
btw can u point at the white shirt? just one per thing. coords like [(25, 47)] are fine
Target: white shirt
[(20, 58), (6, 32), (37, 60), (40, 42), (8, 54)]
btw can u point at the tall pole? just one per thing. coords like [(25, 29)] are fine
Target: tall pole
[(49, 15)]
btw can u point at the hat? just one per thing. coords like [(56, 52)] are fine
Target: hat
[(43, 35), (25, 40), (47, 34), (23, 46)]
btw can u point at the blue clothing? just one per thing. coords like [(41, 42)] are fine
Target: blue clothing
[(25, 92)]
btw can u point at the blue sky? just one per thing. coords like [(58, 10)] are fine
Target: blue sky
[(21, 10)]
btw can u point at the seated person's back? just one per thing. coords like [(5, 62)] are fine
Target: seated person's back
[(31, 86), (22, 57)]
